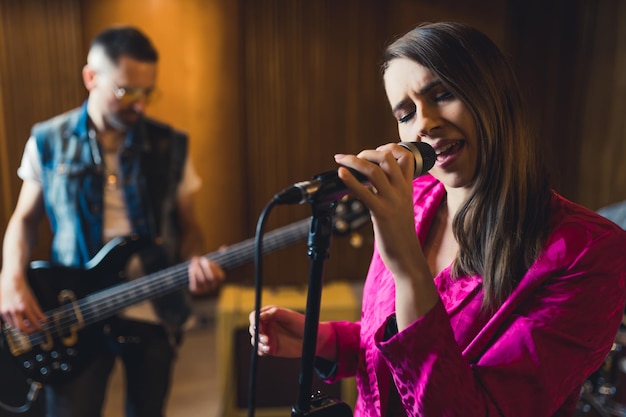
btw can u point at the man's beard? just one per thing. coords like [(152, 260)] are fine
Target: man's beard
[(123, 120)]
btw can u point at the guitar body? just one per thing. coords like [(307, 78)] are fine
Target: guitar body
[(49, 282), (68, 341)]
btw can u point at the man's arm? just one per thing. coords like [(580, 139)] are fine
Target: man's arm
[(18, 306)]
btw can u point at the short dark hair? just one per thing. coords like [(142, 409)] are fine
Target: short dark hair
[(125, 41)]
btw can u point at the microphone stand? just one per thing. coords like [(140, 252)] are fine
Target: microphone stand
[(320, 232)]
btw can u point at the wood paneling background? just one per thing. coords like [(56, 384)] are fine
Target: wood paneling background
[(40, 64), (269, 90), (602, 127)]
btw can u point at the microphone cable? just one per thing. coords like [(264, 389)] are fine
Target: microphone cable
[(258, 287)]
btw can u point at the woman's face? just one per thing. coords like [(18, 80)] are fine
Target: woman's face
[(426, 111)]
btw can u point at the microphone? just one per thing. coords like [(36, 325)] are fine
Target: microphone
[(327, 186)]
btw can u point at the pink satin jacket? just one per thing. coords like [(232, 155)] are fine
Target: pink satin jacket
[(529, 358)]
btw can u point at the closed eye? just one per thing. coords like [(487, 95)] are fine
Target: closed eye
[(406, 117), (444, 96)]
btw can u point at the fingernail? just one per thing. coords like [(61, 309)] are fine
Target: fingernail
[(339, 156)]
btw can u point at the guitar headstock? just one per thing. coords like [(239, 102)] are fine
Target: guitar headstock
[(350, 215)]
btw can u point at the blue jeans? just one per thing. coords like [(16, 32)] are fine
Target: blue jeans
[(147, 355)]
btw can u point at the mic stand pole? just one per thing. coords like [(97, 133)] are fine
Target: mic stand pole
[(319, 405)]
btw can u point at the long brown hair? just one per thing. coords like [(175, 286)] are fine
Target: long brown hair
[(502, 226)]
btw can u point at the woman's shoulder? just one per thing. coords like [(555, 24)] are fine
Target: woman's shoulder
[(583, 229), (568, 213)]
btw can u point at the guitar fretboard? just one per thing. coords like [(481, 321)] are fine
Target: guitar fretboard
[(108, 302)]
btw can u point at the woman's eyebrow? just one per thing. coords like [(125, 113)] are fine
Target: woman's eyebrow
[(425, 89), (429, 87)]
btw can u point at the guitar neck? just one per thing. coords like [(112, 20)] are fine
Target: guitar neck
[(243, 252), (108, 302)]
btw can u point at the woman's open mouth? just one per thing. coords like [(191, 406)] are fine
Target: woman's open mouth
[(448, 149)]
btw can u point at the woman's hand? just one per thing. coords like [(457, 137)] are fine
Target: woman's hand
[(390, 169), (280, 332)]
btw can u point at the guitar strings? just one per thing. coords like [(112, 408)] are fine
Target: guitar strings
[(105, 303)]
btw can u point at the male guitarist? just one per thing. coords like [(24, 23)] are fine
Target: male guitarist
[(101, 171)]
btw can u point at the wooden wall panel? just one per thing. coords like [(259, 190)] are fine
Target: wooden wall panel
[(554, 88), (602, 124), (490, 16), (6, 195), (570, 59), (313, 89), (39, 77)]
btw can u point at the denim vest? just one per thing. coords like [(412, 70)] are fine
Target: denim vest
[(151, 165)]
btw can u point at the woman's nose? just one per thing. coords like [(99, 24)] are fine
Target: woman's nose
[(428, 120)]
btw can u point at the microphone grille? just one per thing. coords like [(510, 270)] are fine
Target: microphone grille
[(424, 152), (428, 156)]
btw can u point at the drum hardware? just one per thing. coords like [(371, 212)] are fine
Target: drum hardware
[(603, 394)]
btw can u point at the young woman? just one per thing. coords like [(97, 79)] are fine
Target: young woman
[(488, 294)]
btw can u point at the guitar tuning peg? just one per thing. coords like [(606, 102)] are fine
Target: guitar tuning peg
[(356, 240), (357, 206), (341, 208), (341, 226)]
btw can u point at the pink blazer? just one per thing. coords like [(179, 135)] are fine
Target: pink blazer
[(528, 359)]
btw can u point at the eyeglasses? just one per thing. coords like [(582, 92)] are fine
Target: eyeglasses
[(132, 95)]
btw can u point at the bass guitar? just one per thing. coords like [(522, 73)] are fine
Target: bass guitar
[(78, 301)]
